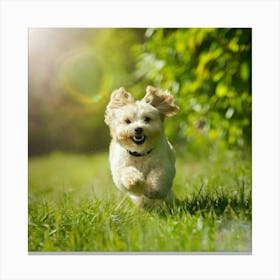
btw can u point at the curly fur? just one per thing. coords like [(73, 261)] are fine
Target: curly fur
[(141, 158)]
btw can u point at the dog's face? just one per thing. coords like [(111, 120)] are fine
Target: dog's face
[(138, 125)]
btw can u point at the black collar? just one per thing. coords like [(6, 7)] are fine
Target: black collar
[(135, 154)]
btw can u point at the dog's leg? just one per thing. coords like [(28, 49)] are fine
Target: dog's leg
[(132, 179), (159, 183)]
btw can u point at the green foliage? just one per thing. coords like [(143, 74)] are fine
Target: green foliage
[(209, 72), (72, 73), (73, 206)]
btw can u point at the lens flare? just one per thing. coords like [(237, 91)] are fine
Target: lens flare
[(82, 76)]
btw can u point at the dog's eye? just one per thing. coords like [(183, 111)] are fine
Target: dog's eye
[(128, 121), (147, 119)]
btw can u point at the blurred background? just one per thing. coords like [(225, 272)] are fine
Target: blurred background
[(72, 73)]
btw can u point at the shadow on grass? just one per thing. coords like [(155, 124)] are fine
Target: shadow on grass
[(236, 204)]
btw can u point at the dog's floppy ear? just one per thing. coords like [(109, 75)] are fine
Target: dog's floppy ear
[(120, 97), (162, 100)]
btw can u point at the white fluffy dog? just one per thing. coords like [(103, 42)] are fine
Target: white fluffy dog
[(141, 158)]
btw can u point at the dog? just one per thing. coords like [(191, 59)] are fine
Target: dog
[(141, 158)]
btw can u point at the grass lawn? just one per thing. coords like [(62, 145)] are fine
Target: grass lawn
[(74, 206)]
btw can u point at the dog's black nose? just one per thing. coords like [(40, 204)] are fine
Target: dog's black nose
[(138, 130)]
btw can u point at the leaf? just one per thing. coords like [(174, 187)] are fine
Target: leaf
[(244, 71), (229, 113), (221, 90)]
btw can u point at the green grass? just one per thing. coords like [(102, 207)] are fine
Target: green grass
[(74, 206)]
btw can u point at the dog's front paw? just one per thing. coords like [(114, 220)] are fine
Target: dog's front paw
[(133, 180)]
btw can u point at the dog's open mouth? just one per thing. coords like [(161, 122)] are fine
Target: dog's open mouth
[(138, 139)]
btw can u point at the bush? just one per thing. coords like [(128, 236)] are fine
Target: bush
[(209, 73)]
